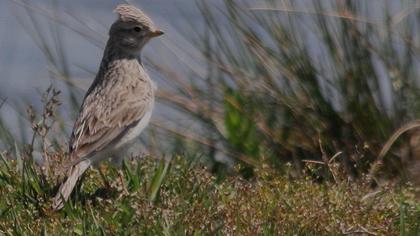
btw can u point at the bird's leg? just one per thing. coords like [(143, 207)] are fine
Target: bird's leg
[(106, 182), (118, 161), (122, 180)]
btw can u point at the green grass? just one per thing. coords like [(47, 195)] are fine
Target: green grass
[(184, 198)]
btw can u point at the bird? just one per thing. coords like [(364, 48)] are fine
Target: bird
[(119, 103)]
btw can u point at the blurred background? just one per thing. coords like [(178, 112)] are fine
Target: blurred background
[(281, 83)]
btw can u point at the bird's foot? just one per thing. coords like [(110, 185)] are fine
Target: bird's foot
[(123, 185)]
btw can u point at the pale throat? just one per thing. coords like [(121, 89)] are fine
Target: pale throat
[(114, 54)]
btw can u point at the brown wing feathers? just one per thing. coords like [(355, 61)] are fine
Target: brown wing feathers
[(96, 128)]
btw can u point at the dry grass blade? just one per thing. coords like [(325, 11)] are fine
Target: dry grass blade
[(3, 101), (387, 146), (342, 15), (398, 18)]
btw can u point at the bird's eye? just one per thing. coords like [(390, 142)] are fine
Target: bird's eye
[(137, 29)]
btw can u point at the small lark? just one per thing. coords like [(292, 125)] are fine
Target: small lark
[(118, 104)]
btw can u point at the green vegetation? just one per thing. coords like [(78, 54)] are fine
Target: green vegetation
[(190, 201), (301, 99), (305, 82)]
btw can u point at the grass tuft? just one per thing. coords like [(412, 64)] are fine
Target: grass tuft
[(188, 199)]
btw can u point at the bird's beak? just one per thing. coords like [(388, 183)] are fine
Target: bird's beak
[(155, 33)]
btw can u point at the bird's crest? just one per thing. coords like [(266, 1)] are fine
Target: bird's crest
[(129, 13)]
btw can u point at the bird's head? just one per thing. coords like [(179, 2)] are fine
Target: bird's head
[(133, 29)]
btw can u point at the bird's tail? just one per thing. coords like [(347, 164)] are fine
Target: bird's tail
[(67, 187)]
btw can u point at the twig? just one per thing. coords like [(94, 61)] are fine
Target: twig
[(358, 230), (314, 162), (321, 148), (335, 156)]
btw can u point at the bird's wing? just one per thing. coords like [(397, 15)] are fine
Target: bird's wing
[(107, 112)]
